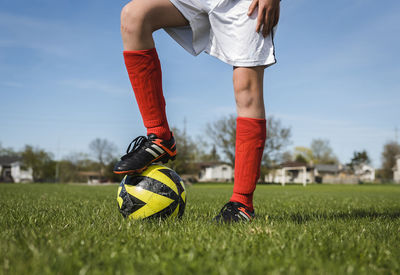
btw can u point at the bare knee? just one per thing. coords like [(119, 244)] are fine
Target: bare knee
[(249, 93), (243, 94), (133, 19)]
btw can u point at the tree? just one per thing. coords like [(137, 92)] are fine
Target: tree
[(109, 174), (301, 159), (212, 156), (187, 152), (322, 152), (103, 151), (74, 163), (358, 159), (7, 151), (278, 138), (286, 156), (41, 162), (390, 150), (68, 171), (303, 154), (205, 153), (223, 134)]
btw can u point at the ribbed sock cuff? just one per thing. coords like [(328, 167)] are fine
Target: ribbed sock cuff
[(246, 199)]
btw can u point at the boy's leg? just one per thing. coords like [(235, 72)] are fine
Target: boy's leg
[(248, 88), (139, 19), (250, 141), (250, 132)]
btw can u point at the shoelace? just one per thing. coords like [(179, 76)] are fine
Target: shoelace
[(137, 142)]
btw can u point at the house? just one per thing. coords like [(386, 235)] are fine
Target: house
[(215, 171), (12, 170), (92, 177), (291, 172), (396, 170), (365, 173), (332, 173), (297, 172)]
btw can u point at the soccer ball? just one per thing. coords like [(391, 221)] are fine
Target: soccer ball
[(157, 192)]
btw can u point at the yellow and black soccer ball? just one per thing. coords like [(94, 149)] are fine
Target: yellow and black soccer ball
[(158, 192)]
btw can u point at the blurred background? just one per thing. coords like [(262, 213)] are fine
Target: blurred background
[(67, 110)]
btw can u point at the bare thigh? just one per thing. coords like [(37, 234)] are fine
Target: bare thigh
[(140, 18)]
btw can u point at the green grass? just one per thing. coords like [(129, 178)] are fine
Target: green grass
[(74, 229)]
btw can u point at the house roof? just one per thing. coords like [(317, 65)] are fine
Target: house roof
[(211, 163), (7, 160), (327, 168), (293, 164)]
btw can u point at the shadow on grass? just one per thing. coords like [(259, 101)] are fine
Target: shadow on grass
[(351, 215)]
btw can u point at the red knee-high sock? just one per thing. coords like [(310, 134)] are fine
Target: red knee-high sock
[(250, 141), (144, 71)]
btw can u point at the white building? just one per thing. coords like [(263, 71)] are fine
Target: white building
[(295, 172), (365, 173), (291, 172), (12, 170), (396, 170), (215, 171)]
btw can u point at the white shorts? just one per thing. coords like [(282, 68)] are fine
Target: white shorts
[(223, 29)]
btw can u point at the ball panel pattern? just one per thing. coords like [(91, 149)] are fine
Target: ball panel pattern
[(158, 192)]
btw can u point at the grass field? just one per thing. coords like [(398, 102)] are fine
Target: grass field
[(75, 229)]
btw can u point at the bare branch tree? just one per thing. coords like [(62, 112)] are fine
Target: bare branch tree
[(103, 150), (223, 134), (187, 150), (278, 138), (322, 152)]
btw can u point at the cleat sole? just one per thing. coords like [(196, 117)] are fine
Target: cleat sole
[(164, 160), (130, 172)]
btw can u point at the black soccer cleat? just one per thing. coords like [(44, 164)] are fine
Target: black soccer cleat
[(234, 212), (145, 151)]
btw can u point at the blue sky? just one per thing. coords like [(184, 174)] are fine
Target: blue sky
[(63, 81)]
